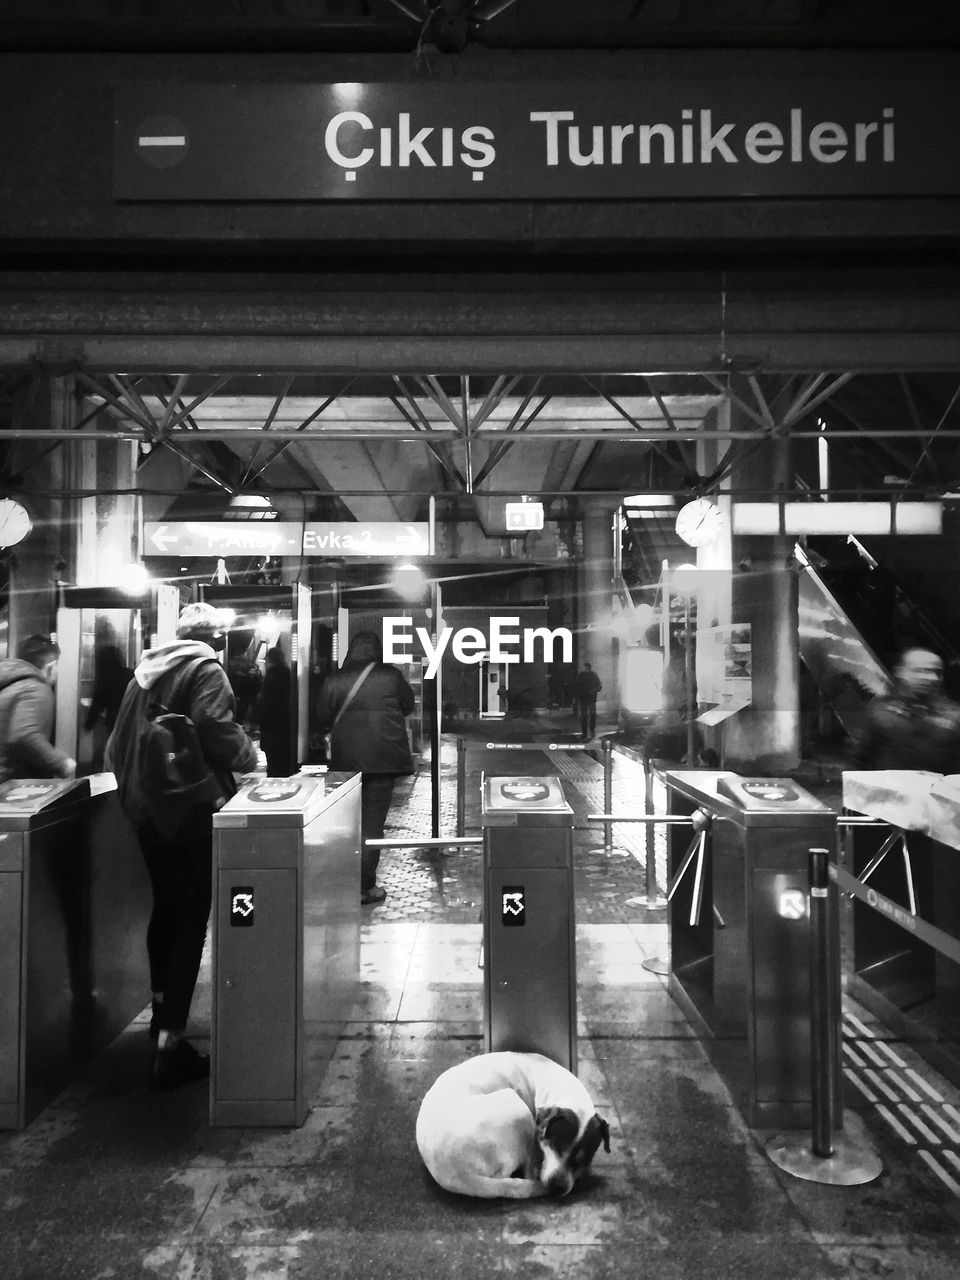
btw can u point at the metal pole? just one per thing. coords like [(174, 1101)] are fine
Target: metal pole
[(461, 786), (424, 842), (848, 1158), (607, 794), (688, 681), (649, 837), (435, 708), (822, 1036)]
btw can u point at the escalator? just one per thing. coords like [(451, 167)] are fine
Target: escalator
[(835, 653), (855, 616)]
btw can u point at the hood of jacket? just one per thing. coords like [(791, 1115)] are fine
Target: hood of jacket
[(13, 669), (155, 663)]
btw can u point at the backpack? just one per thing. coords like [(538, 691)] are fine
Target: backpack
[(175, 780)]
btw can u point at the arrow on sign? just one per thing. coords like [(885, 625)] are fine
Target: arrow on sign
[(513, 903), (792, 904), (242, 904), (162, 540), (411, 536)]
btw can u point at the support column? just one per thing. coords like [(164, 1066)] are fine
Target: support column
[(107, 525), (596, 642), (765, 737), (47, 552), (714, 578)]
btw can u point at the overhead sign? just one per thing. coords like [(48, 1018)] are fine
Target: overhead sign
[(286, 538), (521, 516), (816, 131)]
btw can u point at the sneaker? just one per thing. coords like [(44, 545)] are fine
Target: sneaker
[(369, 896), (182, 1064)]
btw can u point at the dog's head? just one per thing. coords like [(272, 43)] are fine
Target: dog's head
[(567, 1144)]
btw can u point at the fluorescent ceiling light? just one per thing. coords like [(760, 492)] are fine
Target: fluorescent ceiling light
[(650, 500), (878, 518)]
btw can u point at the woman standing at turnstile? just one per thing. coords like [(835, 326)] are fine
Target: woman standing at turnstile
[(364, 707)]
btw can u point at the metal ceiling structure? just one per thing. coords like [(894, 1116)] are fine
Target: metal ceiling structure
[(305, 434), (249, 427)]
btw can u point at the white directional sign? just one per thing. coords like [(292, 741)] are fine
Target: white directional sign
[(521, 516), (286, 538)]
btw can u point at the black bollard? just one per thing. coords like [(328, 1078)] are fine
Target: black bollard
[(822, 1011), (845, 1159)]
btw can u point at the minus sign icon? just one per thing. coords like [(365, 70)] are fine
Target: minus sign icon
[(151, 140)]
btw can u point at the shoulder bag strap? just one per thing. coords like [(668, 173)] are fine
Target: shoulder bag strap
[(353, 691)]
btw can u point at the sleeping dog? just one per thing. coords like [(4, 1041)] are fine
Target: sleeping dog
[(508, 1124)]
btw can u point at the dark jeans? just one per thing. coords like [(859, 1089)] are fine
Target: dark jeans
[(376, 791), (180, 873), (588, 717)]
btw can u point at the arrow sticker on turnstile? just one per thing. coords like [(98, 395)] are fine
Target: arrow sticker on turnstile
[(792, 904), (513, 905), (241, 906)]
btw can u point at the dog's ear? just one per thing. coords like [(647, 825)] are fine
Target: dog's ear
[(557, 1126), (604, 1131), (544, 1116)]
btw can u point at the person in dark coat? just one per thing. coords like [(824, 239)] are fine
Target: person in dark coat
[(586, 686), (915, 727), (110, 680), (187, 678), (273, 711), (27, 711), (370, 737)]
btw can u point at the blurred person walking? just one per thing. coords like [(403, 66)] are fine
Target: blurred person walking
[(273, 714), (364, 707), (916, 726)]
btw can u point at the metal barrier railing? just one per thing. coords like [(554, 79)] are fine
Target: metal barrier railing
[(829, 1157), (421, 842), (652, 900)]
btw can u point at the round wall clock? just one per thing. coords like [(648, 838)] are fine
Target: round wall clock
[(699, 522), (14, 522)]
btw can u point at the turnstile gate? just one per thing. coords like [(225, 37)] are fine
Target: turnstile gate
[(43, 979), (739, 930), (286, 943), (529, 983)]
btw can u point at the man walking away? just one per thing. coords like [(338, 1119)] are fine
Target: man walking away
[(27, 711), (586, 687), (186, 678)]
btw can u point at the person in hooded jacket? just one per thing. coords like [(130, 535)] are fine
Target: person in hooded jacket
[(368, 732), (187, 678), (27, 711)]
